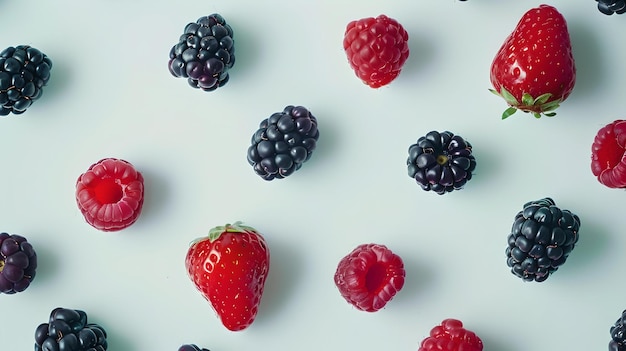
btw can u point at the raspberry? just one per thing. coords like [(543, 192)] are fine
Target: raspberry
[(110, 194), (609, 7), (441, 162), (452, 336), (377, 48), (618, 334), (68, 330), (24, 71), (283, 142), (191, 347), (608, 163), (204, 53), (18, 263), (370, 276), (541, 239)]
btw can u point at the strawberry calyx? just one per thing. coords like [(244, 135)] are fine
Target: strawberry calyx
[(237, 227), (538, 106)]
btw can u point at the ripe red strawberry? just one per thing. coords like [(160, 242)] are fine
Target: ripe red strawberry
[(229, 268), (377, 48), (110, 194), (534, 70), (370, 276), (608, 151), (450, 335)]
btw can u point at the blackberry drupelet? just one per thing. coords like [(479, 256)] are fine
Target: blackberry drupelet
[(191, 347), (68, 330), (541, 239), (205, 53), (24, 71), (441, 162), (609, 7), (618, 334), (283, 142), (18, 263)]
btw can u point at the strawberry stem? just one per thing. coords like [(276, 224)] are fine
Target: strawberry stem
[(537, 106)]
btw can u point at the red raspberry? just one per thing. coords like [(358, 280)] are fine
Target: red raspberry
[(607, 155), (110, 194), (370, 276), (377, 48), (451, 336)]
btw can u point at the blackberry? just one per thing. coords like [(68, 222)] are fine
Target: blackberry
[(205, 53), (24, 71), (441, 162), (283, 142), (618, 334), (191, 347), (68, 330), (541, 239), (18, 263), (609, 7)]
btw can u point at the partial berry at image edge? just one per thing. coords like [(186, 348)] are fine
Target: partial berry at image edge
[(18, 263), (24, 71)]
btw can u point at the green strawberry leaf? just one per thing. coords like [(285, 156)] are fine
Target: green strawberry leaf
[(508, 97), (541, 99), (527, 100), (508, 112)]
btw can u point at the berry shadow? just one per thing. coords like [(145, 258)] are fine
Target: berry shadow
[(418, 276), (117, 339), (47, 264), (491, 344), (284, 274), (421, 55), (60, 79), (328, 142), (592, 65), (156, 196), (592, 244), (246, 48)]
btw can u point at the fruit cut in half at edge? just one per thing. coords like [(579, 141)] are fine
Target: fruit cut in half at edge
[(110, 194), (534, 69), (608, 154)]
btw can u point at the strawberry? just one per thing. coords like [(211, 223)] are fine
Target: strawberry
[(377, 48), (608, 163), (534, 70), (229, 268), (370, 276), (110, 194)]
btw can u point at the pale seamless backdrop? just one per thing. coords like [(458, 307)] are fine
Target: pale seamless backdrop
[(111, 95)]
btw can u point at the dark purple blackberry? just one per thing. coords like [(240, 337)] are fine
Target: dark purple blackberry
[(283, 142), (68, 330), (18, 263), (191, 347), (205, 53), (609, 7), (541, 239), (618, 334), (24, 71), (441, 162)]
